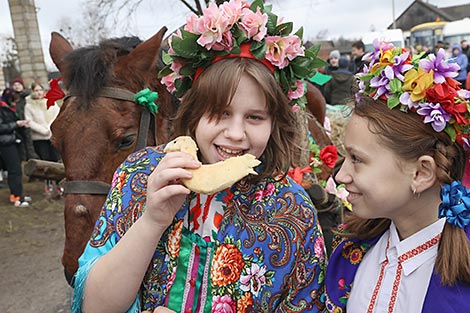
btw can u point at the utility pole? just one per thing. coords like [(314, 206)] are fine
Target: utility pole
[(393, 14), (28, 41)]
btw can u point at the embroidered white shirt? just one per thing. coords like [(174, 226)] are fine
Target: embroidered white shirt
[(394, 275)]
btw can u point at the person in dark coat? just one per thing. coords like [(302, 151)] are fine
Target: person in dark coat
[(26, 146), (9, 145), (338, 89), (358, 49)]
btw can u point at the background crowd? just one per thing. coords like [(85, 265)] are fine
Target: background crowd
[(25, 134)]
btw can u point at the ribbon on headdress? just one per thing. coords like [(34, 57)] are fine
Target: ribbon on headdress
[(245, 52), (455, 206)]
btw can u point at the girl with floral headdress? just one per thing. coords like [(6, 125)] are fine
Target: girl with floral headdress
[(253, 247), (406, 247)]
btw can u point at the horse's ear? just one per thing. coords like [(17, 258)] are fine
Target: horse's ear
[(58, 48), (145, 55)]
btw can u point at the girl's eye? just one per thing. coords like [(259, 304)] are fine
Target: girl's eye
[(225, 113), (256, 117), (355, 160)]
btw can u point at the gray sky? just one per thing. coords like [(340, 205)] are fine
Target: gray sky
[(345, 18)]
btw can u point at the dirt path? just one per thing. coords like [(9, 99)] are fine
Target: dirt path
[(31, 243)]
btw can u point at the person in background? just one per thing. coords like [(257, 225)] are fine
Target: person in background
[(9, 146), (253, 247), (406, 246), (358, 51), (40, 119), (26, 145), (339, 89), (466, 51), (333, 62), (462, 60)]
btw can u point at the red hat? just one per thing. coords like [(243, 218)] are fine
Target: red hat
[(18, 80)]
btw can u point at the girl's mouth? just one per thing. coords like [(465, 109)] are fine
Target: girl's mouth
[(226, 153)]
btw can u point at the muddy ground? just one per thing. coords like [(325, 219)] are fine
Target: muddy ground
[(31, 243)]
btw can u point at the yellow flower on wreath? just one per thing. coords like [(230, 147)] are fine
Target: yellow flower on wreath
[(417, 82), (386, 59)]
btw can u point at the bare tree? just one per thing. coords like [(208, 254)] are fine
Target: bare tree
[(9, 59), (90, 29)]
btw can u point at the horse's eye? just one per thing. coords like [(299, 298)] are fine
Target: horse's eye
[(126, 142)]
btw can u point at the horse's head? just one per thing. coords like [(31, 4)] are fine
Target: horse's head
[(98, 124)]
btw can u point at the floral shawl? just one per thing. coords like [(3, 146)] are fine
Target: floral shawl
[(268, 255)]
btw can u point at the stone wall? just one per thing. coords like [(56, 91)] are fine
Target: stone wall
[(28, 41)]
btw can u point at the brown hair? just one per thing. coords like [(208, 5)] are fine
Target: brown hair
[(397, 130), (212, 93)]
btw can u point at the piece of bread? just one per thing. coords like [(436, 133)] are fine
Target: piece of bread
[(211, 178)]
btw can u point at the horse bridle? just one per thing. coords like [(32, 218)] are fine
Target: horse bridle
[(97, 187)]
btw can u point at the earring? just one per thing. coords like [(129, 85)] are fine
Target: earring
[(415, 194)]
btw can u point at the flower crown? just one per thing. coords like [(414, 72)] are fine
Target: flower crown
[(423, 84), (236, 29)]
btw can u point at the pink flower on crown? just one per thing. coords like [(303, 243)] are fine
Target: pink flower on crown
[(254, 24), (294, 47), (226, 43), (169, 80), (212, 25), (297, 92), (192, 24), (232, 11), (276, 48), (170, 39)]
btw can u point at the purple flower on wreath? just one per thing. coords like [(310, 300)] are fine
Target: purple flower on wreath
[(455, 205), (466, 144), (464, 93), (405, 98), (433, 113), (382, 84), (379, 46), (441, 68), (398, 68)]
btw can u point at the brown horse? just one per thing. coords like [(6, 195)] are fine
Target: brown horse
[(98, 124)]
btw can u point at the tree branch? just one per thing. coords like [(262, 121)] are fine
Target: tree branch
[(189, 7), (199, 7)]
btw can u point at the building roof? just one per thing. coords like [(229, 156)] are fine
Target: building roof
[(421, 12)]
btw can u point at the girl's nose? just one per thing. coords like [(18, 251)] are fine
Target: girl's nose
[(343, 176), (235, 130)]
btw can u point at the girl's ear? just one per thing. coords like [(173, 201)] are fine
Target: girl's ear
[(425, 174)]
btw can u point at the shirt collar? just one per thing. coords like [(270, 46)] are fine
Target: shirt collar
[(415, 241)]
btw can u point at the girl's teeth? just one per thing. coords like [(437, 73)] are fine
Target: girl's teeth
[(229, 152)]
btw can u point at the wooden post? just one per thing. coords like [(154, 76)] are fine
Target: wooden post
[(44, 169)]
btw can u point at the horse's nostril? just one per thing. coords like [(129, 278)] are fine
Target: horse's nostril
[(81, 210)]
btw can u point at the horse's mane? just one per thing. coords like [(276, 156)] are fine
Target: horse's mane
[(89, 69)]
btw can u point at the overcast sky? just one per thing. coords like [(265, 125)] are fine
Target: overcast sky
[(344, 18)]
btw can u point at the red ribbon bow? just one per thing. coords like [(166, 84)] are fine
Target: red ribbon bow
[(297, 173), (55, 92)]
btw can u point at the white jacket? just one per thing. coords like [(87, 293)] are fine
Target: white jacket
[(40, 118)]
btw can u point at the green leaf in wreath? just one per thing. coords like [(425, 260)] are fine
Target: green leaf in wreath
[(284, 29)]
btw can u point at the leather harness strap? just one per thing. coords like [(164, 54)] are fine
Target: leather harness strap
[(98, 187)]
